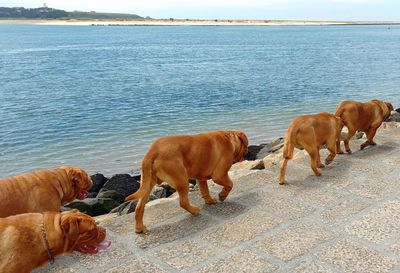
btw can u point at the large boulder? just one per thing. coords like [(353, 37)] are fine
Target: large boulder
[(262, 150), (345, 132), (116, 196), (92, 195), (125, 208), (272, 159), (271, 147), (391, 124), (248, 165), (253, 151), (395, 116), (170, 190), (98, 182), (93, 206), (121, 183)]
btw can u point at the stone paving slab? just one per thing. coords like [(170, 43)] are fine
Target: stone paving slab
[(347, 220), (352, 257)]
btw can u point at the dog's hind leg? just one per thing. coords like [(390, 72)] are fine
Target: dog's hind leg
[(205, 194), (283, 171), (183, 191), (350, 134), (313, 152), (139, 211), (338, 149), (320, 165)]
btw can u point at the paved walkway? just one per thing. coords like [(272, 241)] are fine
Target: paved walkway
[(347, 220)]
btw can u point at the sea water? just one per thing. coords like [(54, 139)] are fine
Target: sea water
[(98, 96)]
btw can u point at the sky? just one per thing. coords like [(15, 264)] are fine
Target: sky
[(342, 10)]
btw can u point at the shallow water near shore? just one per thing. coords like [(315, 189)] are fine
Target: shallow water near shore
[(98, 96)]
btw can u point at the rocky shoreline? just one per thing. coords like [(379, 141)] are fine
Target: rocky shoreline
[(108, 194)]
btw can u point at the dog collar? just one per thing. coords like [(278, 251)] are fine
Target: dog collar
[(46, 243)]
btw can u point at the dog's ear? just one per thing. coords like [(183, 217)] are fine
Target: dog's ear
[(70, 225), (244, 145), (376, 101), (74, 223), (390, 106), (80, 178)]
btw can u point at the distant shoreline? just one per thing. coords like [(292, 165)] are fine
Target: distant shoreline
[(190, 22)]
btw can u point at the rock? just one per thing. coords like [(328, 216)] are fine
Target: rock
[(271, 147), (253, 151), (345, 131), (272, 159), (98, 181), (93, 206), (395, 116), (248, 165), (62, 208), (116, 196), (193, 181), (159, 192), (121, 183), (391, 124), (92, 195), (359, 135), (398, 110), (137, 175), (170, 190), (125, 208), (262, 150)]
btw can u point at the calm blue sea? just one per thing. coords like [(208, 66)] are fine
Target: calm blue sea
[(98, 96)]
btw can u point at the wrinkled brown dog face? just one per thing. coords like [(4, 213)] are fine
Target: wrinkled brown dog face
[(82, 230), (81, 181), (386, 107), (244, 145)]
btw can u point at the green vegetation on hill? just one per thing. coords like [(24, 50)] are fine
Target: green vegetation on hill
[(50, 13)]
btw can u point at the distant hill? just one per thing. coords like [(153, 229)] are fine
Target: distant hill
[(50, 13)]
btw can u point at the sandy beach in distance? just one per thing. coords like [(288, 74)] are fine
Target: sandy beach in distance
[(191, 22)]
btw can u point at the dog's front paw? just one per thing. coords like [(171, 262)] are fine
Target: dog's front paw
[(322, 165), (211, 201), (195, 211), (349, 151), (221, 197), (141, 229)]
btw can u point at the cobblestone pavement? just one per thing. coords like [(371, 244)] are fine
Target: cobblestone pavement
[(347, 220)]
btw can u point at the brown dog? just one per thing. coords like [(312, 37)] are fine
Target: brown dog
[(311, 132), (33, 239), (41, 191), (366, 117), (175, 159)]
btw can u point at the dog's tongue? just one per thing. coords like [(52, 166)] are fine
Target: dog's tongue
[(93, 249), (104, 245), (82, 195)]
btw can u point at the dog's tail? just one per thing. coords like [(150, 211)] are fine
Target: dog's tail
[(340, 110), (147, 180), (288, 147)]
